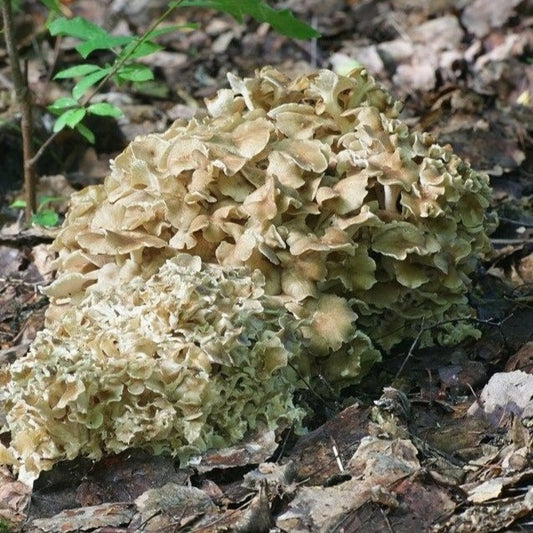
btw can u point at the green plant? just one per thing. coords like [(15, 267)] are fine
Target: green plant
[(90, 77), (44, 215), (24, 100), (129, 49)]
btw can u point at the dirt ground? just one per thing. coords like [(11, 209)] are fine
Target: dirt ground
[(434, 439)]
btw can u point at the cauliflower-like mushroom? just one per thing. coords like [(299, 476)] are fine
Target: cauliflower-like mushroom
[(193, 358), (359, 226)]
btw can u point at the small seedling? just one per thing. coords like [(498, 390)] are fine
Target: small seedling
[(44, 216), (90, 77)]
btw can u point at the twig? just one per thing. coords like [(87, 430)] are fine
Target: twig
[(511, 241), (423, 329), (43, 147), (26, 239), (386, 519), (280, 452), (306, 382), (24, 99), (336, 455), (411, 349), (516, 222)]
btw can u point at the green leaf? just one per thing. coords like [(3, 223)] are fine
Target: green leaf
[(47, 218), (69, 118), (86, 132), (62, 103), (44, 200), (76, 71), (91, 79), (283, 21), (144, 49), (60, 123), (18, 204), (74, 116), (135, 72), (105, 109), (76, 27), (53, 5), (103, 42)]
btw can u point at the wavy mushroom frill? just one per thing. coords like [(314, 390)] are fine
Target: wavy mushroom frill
[(354, 220), (193, 358)]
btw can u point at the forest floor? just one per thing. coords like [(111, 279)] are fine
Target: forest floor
[(435, 439)]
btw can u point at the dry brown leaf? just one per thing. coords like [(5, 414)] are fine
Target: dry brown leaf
[(506, 395), (14, 499)]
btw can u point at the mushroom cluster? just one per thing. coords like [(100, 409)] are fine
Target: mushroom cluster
[(301, 221), (193, 358)]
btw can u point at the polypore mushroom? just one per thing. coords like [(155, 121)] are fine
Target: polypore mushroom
[(359, 226), (315, 182)]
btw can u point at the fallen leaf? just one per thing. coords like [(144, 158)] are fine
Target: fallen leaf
[(14, 498), (480, 16), (85, 519), (522, 359), (256, 449), (489, 490), (506, 394), (171, 506)]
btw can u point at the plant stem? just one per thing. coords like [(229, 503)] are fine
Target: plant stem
[(118, 64), (24, 99)]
